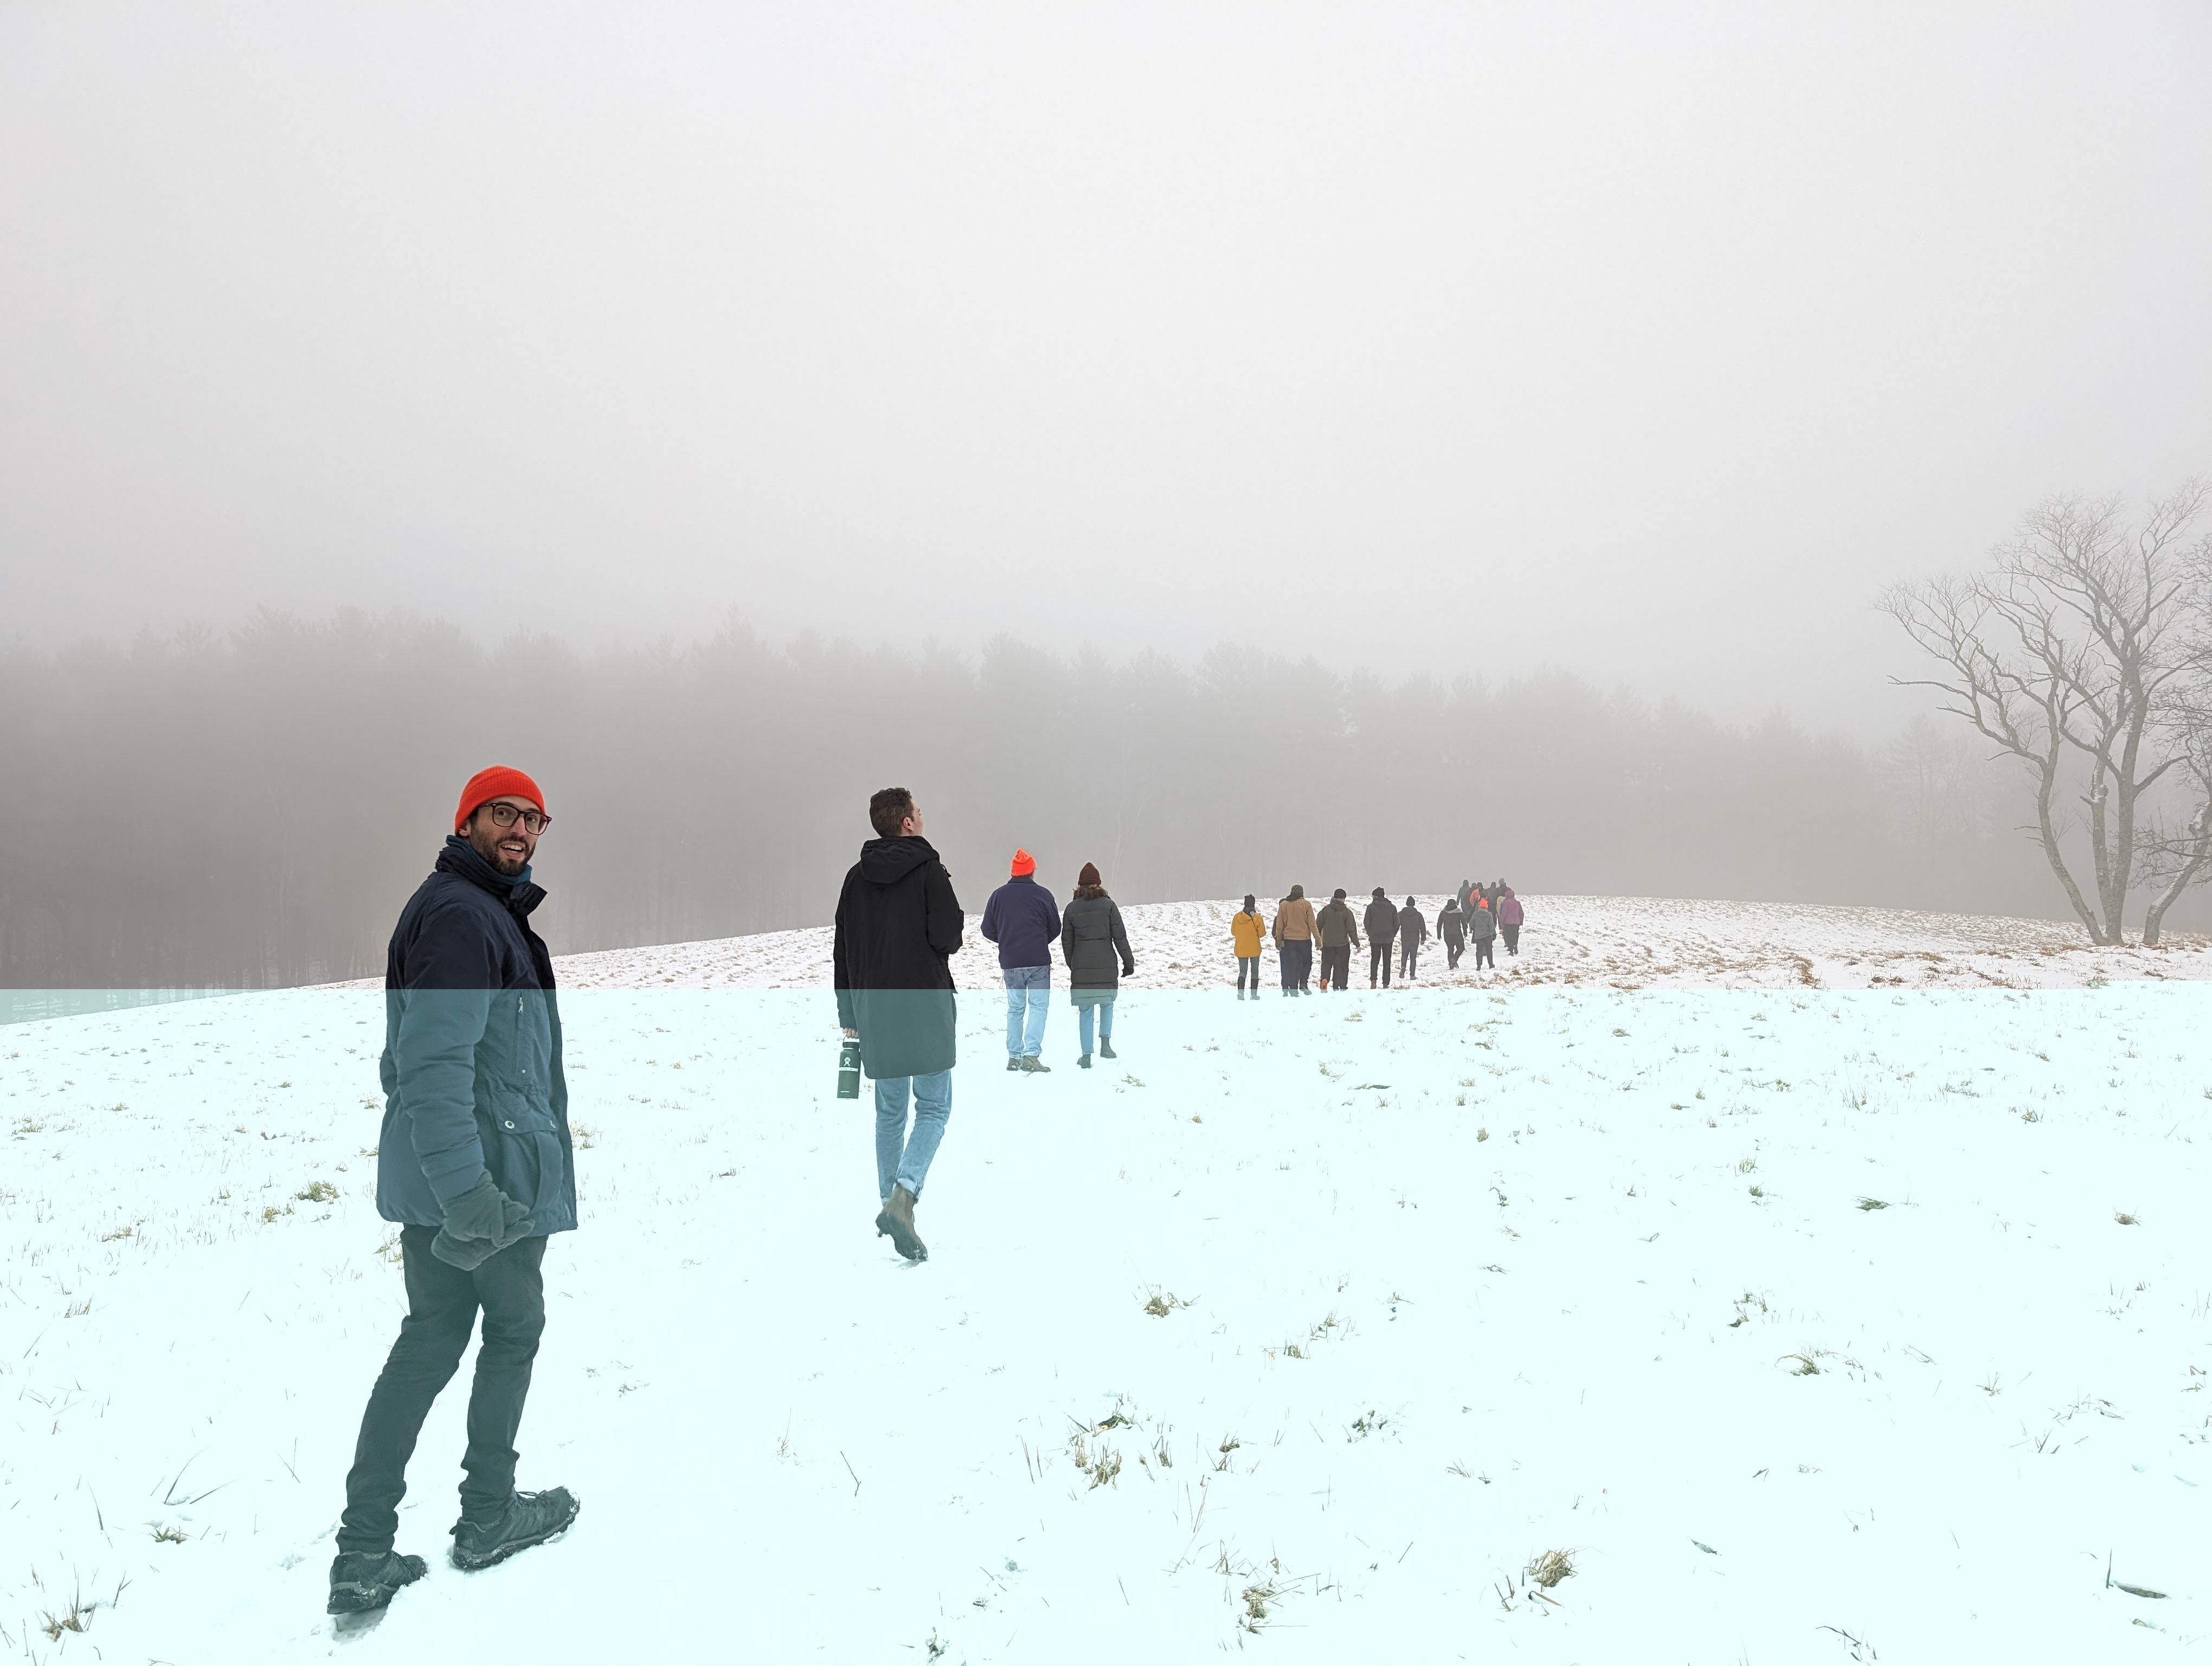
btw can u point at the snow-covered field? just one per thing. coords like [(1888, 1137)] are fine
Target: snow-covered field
[(1806, 1322), (1621, 942)]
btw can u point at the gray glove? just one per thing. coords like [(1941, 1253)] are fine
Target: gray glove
[(479, 1223)]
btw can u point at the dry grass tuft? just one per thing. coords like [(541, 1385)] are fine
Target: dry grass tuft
[(1553, 1566), (2125, 1219), (316, 1191)]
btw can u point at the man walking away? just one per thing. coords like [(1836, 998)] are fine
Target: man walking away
[(1247, 932), (1509, 918), (1294, 932), (1466, 890), (1413, 932), (1023, 920), (1382, 928), (898, 928), (475, 1167), (1482, 927), (1340, 936), (1451, 926)]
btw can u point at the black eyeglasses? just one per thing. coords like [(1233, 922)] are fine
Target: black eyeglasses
[(506, 815)]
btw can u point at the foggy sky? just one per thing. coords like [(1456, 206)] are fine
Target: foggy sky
[(1646, 341)]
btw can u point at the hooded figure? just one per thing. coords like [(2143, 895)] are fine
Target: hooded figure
[(1451, 926), (1339, 928), (1413, 932), (1382, 927), (898, 926)]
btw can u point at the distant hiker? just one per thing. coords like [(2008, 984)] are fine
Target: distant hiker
[(474, 1166), (1382, 930), (1091, 941), (1509, 917), (1451, 926), (1340, 936), (898, 928), (1413, 932), (1481, 927), (1023, 920), (1295, 931), (1466, 890), (1248, 931)]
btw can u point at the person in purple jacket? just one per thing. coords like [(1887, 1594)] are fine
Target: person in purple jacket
[(1024, 920), (1509, 917)]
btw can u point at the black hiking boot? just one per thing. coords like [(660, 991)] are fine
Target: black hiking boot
[(1013, 1062), (896, 1222), (1084, 1063), (1035, 1067), (1106, 1050), (362, 1581), (530, 1518)]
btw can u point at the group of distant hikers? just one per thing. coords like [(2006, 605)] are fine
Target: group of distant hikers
[(1477, 915), (476, 1163)]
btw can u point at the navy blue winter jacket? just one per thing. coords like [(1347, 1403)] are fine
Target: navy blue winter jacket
[(1023, 920), (471, 1063)]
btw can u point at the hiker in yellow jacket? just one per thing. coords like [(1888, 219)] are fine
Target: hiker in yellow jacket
[(1248, 930)]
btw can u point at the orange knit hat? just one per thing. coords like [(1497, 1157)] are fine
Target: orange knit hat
[(1023, 863), (497, 782)]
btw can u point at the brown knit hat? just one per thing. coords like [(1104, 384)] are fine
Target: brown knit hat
[(1088, 876)]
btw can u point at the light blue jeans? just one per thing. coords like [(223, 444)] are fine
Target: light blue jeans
[(1028, 992), (1084, 1011), (903, 1158)]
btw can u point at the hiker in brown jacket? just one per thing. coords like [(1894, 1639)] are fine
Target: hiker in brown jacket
[(1294, 940), (1340, 935)]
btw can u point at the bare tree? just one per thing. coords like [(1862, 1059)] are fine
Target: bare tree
[(2078, 653)]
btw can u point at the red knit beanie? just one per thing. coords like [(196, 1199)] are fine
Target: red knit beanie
[(1023, 863), (497, 782)]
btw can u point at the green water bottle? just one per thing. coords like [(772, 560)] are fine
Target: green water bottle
[(848, 1070)]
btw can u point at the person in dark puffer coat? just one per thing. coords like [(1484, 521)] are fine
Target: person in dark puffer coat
[(898, 926), (1382, 923), (475, 1166), (1091, 940)]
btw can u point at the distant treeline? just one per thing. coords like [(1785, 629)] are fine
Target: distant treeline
[(252, 809)]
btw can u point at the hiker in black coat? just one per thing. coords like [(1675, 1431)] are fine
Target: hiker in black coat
[(1382, 923), (898, 928), (1413, 932), (1451, 926)]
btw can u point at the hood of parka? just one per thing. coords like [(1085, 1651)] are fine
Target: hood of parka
[(887, 861)]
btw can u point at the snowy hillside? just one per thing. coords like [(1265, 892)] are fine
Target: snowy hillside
[(1621, 942), (1803, 1323)]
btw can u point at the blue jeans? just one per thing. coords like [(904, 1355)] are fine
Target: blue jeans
[(1104, 1009), (903, 1158), (1029, 989)]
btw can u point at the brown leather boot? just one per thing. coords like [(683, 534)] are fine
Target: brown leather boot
[(896, 1223)]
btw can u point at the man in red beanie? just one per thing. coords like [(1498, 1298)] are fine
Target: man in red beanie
[(476, 1167), (1023, 920)]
